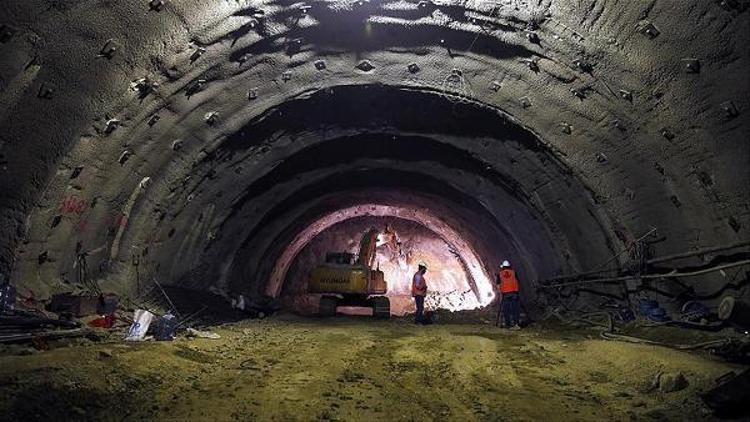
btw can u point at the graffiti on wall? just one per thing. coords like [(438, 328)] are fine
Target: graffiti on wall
[(73, 205)]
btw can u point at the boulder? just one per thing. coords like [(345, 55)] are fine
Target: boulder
[(672, 381)]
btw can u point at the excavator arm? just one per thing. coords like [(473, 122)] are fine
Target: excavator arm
[(367, 248)]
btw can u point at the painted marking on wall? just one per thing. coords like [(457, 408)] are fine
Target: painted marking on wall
[(73, 205)]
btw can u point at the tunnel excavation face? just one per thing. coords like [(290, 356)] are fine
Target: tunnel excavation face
[(404, 241), (401, 245), (222, 147)]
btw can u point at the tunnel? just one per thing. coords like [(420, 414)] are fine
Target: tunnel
[(216, 162)]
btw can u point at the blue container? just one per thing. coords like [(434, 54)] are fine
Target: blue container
[(166, 327), (7, 297), (646, 305), (651, 310)]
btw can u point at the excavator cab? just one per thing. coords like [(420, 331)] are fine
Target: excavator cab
[(343, 281), (344, 258)]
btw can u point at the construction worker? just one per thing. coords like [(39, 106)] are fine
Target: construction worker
[(419, 291), (507, 286)]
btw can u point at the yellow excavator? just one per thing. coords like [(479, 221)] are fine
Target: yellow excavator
[(342, 281)]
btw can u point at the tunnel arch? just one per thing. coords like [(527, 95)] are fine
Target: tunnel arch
[(369, 144), (431, 194), (358, 145), (624, 165)]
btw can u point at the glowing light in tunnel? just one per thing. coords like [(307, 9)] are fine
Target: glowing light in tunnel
[(448, 281), (480, 294)]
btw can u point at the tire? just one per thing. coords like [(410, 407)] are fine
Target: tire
[(381, 307), (327, 307)]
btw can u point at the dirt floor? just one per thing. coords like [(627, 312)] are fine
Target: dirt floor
[(347, 368)]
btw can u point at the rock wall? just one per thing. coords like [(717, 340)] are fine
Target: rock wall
[(188, 140)]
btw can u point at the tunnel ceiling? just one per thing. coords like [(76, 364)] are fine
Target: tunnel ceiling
[(193, 140)]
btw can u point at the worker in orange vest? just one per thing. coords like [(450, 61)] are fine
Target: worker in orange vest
[(419, 291), (507, 286)]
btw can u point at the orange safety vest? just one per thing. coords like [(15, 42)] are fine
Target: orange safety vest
[(508, 281), (417, 291)]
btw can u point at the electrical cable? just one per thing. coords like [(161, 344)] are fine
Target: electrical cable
[(672, 274), (638, 340), (654, 260)]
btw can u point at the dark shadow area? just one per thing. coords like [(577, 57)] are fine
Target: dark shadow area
[(383, 106)]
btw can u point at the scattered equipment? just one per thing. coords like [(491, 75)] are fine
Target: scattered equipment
[(7, 297), (166, 326), (76, 305), (735, 311), (141, 321), (651, 310)]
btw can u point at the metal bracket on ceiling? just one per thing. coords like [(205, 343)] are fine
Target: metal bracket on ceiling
[(109, 49), (157, 5), (648, 29), (45, 91), (691, 65), (197, 54), (212, 117)]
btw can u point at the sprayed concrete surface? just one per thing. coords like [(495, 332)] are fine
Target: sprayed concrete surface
[(203, 136), (355, 369)]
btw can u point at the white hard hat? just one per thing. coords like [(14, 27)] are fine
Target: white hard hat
[(422, 264), (506, 264)]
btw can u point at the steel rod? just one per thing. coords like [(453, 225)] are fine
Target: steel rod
[(656, 260), (167, 297), (652, 276), (697, 252)]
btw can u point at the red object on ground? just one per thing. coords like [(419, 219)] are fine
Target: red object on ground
[(30, 299), (105, 321)]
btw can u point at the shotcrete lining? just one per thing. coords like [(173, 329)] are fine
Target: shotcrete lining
[(462, 155), (235, 148), (157, 45)]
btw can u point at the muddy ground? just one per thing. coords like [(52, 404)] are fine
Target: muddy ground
[(347, 368)]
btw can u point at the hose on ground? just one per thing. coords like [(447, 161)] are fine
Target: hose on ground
[(609, 334), (638, 340), (609, 325), (686, 324)]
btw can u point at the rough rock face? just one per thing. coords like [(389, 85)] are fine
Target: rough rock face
[(193, 140), (399, 249)]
